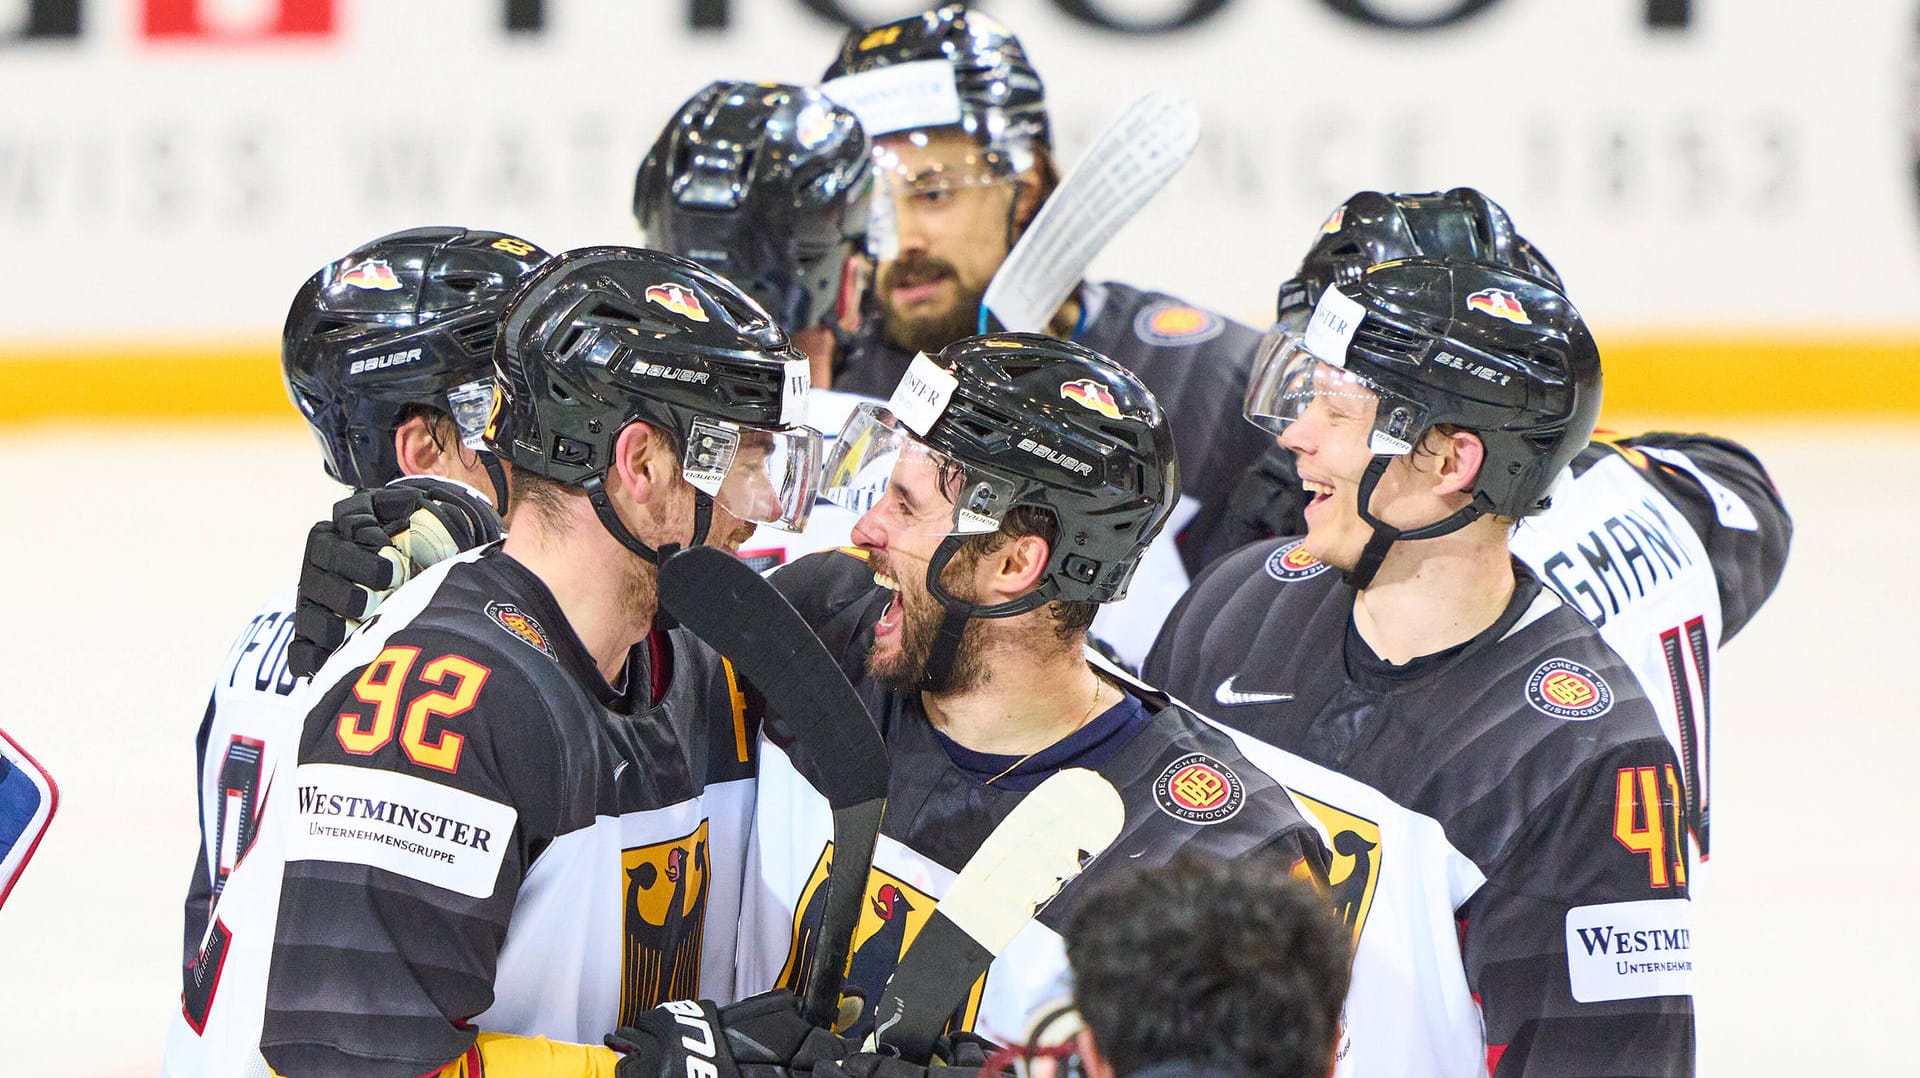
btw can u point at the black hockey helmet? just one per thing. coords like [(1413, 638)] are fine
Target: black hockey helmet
[(1495, 352), (1002, 102), (406, 320), (1371, 228), (766, 185), (602, 337)]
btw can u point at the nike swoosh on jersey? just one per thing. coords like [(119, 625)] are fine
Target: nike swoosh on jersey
[(1230, 696)]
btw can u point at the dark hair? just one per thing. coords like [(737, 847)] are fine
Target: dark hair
[(1232, 964)]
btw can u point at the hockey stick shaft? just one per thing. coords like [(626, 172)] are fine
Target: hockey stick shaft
[(838, 748), (1044, 843), (1132, 160)]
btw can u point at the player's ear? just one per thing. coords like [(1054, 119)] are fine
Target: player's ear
[(642, 464), (414, 447), (1462, 454), (1016, 566)]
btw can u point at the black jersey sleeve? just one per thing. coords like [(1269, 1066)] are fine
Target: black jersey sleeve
[(428, 782), (1747, 561), (1579, 945)]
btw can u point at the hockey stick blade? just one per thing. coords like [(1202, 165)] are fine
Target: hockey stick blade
[(838, 749), (1048, 838), (1136, 156)]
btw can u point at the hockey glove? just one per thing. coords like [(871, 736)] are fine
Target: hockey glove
[(964, 1053), (762, 1036), (375, 541)]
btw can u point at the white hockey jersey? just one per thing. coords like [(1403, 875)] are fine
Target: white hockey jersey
[(1626, 543)]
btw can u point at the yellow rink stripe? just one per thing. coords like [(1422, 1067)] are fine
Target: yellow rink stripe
[(1705, 376)]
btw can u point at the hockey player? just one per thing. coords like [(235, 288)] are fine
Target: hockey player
[(1507, 816), (1008, 487), (387, 353), (1668, 543), (519, 814), (959, 117)]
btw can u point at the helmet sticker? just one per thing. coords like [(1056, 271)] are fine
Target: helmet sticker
[(899, 97), (793, 391), (1335, 320), (1334, 220), (1176, 323), (922, 394), (372, 275), (1567, 690), (1092, 396), (1499, 303), (679, 299), (1199, 789)]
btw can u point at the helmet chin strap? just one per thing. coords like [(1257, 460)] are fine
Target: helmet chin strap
[(498, 476), (596, 489), (953, 623), (1385, 535)]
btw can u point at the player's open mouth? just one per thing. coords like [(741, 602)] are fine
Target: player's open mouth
[(895, 613), (1320, 491)]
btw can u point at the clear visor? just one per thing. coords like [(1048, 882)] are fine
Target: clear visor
[(759, 474), (1293, 385), (971, 189), (469, 404), (879, 467)]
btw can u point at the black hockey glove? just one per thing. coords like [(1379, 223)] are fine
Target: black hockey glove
[(964, 1053), (374, 542), (1267, 502), (762, 1036)]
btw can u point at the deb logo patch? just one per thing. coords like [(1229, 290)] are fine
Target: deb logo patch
[(1292, 562), (371, 275), (678, 299), (1630, 950), (1499, 303), (1091, 395), (1199, 789), (1176, 323), (1567, 690), (525, 629)]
